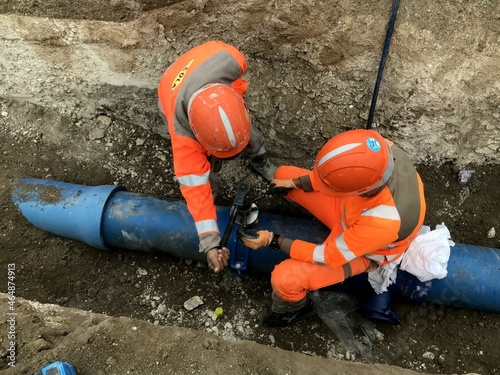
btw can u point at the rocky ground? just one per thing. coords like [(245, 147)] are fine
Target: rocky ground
[(62, 120), (153, 288)]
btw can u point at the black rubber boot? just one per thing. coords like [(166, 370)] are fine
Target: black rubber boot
[(273, 319)]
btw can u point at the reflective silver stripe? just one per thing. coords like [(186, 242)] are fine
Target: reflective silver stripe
[(342, 224), (319, 254), (391, 246), (388, 170), (194, 179), (375, 257), (344, 218), (390, 166), (337, 151), (205, 226), (343, 248), (383, 212), (227, 126), (390, 258), (382, 258)]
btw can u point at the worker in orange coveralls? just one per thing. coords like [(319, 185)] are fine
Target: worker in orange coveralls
[(367, 191), (201, 100)]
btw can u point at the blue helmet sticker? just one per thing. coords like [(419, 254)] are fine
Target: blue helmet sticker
[(373, 144)]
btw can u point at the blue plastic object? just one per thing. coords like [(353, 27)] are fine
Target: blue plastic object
[(108, 217), (66, 210), (57, 368), (473, 281), (139, 222), (377, 308)]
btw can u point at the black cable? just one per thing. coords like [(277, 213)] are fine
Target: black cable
[(381, 66)]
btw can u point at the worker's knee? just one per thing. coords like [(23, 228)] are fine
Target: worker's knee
[(287, 282)]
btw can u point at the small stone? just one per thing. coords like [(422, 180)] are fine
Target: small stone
[(141, 272), (272, 339), (464, 176), (428, 355), (491, 233), (104, 120), (379, 335), (162, 308), (4, 114), (193, 303), (111, 361), (96, 134)]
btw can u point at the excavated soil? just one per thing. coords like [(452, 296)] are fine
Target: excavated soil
[(65, 117)]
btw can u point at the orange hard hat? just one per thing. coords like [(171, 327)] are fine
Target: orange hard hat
[(353, 163), (220, 120)]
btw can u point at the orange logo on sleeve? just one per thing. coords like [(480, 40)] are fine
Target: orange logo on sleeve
[(181, 75)]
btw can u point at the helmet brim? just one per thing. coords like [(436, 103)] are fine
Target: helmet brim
[(229, 153), (322, 187), (328, 191)]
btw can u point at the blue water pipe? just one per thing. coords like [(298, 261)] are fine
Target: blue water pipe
[(109, 217)]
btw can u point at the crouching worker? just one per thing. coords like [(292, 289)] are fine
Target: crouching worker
[(367, 192), (201, 100)]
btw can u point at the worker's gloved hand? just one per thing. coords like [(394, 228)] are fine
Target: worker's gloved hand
[(217, 258), (280, 187), (255, 238)]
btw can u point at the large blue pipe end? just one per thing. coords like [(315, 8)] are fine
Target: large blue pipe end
[(66, 210), (473, 281)]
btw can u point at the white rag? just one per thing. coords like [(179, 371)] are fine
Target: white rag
[(428, 255), (426, 258), (384, 276)]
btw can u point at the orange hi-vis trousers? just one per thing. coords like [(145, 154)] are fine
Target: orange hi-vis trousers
[(291, 279)]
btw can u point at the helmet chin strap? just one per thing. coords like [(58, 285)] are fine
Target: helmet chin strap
[(375, 191)]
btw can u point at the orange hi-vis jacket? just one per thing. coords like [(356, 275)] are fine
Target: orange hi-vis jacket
[(380, 227), (211, 62)]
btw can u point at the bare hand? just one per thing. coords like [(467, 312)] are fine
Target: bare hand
[(217, 259)]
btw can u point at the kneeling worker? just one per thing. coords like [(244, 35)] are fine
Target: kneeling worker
[(367, 192)]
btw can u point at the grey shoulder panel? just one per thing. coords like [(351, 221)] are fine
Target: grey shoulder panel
[(219, 68), (405, 191)]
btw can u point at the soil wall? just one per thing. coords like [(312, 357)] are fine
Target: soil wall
[(312, 66)]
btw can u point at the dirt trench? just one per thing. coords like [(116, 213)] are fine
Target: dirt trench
[(78, 104)]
